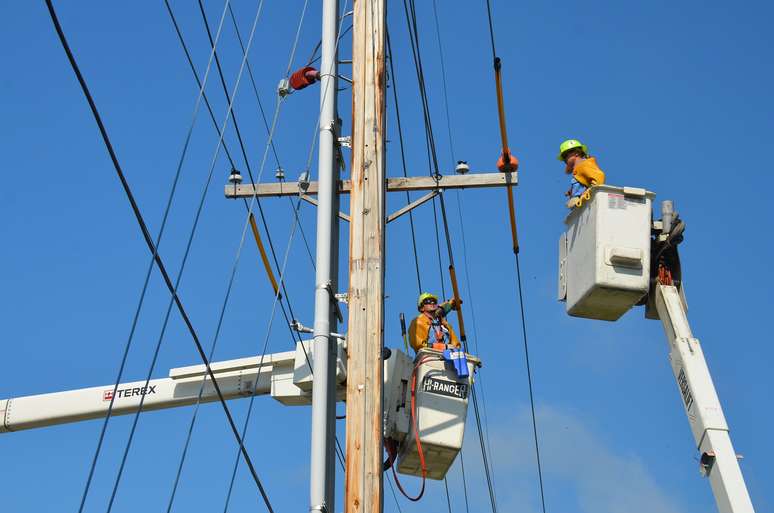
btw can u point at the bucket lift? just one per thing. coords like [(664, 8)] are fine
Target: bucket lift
[(613, 256), (439, 412), (440, 398)]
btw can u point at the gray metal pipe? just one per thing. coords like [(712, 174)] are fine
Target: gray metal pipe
[(322, 472), (667, 215)]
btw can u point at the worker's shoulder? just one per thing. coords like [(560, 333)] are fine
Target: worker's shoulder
[(588, 163), (420, 320)]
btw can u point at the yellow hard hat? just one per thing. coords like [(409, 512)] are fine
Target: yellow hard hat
[(423, 296), (571, 144)]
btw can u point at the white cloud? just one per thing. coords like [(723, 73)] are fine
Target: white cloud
[(591, 475)]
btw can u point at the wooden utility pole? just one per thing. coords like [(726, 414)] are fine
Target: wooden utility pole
[(365, 338)]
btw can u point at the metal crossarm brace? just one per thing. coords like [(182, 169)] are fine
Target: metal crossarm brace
[(314, 202), (411, 206)]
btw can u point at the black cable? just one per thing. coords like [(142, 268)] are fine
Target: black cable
[(448, 499), (462, 225), (271, 246), (394, 495), (403, 160), (491, 29), (464, 483), (236, 123), (151, 246), (266, 126), (443, 81), (521, 303), (410, 11), (483, 450), (529, 382), (196, 77), (263, 219), (429, 138)]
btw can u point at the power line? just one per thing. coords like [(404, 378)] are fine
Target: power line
[(403, 160), (414, 36), (158, 239), (462, 232), (270, 143), (497, 67), (229, 112), (273, 146), (149, 241), (338, 449)]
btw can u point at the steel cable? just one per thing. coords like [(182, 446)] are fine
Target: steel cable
[(497, 64), (410, 11), (269, 144), (146, 234), (462, 233), (175, 296), (149, 242), (403, 160), (339, 452), (266, 126)]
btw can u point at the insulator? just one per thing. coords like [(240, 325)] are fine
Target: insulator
[(462, 167), (235, 177), (304, 77)]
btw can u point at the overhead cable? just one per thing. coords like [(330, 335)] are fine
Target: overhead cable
[(403, 160), (410, 11), (151, 245), (501, 115), (146, 234)]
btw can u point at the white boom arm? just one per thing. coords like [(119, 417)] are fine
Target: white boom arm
[(718, 460), (285, 375)]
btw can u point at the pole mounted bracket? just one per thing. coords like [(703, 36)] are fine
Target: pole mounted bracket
[(297, 326), (334, 301), (345, 141)]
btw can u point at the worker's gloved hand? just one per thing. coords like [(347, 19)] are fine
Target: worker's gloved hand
[(455, 303)]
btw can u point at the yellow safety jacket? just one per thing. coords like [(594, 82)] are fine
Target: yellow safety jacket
[(587, 173), (424, 331)]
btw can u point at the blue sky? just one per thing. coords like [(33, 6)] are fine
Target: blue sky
[(673, 97)]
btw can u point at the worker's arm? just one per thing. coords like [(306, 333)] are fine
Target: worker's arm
[(449, 305)]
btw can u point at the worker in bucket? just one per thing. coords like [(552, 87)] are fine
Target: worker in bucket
[(584, 169), (430, 328)]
